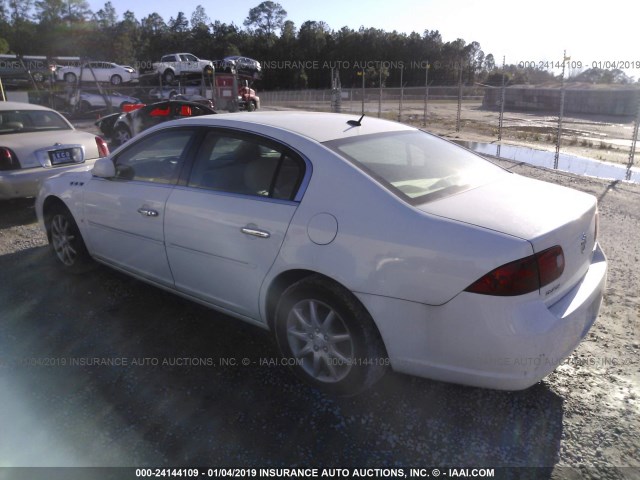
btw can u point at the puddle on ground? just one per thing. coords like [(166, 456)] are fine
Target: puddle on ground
[(567, 163)]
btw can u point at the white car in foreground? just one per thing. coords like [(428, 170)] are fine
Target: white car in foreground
[(361, 245), (37, 143)]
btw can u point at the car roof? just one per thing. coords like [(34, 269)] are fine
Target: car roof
[(321, 127), (21, 106)]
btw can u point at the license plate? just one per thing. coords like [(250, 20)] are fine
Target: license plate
[(59, 157)]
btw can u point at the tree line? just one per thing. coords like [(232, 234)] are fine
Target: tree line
[(292, 57)]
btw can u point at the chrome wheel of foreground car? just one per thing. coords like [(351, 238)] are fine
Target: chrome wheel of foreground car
[(330, 337), (66, 241)]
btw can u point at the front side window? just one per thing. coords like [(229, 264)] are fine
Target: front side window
[(156, 158), (416, 166), (247, 165)]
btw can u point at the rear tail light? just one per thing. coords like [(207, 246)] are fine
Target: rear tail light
[(103, 148), (8, 159), (130, 107), (522, 276)]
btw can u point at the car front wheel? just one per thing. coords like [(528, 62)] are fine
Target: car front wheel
[(328, 337), (121, 135), (116, 80), (70, 77), (66, 241)]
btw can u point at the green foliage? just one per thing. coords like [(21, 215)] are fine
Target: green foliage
[(292, 57), (266, 18), (602, 76)]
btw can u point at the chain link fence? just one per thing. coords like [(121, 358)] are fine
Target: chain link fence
[(552, 125)]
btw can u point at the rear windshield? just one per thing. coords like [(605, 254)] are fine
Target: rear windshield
[(18, 121), (415, 165)]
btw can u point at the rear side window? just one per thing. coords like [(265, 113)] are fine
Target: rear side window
[(247, 165), (416, 166)]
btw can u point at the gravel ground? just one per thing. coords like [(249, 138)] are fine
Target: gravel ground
[(165, 409)]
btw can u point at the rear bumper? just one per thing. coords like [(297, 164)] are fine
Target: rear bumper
[(504, 343), (26, 183)]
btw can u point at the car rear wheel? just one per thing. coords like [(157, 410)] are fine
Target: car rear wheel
[(116, 80), (121, 135), (70, 77), (327, 334), (66, 241), (168, 76), (251, 106)]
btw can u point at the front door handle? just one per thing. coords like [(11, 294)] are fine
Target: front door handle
[(147, 212), (255, 232)]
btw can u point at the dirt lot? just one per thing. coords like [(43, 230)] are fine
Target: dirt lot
[(163, 407)]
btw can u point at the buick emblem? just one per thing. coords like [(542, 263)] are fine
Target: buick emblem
[(583, 242)]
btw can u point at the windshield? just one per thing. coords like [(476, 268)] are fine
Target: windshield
[(415, 165), (18, 121)]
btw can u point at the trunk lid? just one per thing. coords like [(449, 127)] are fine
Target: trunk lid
[(31, 147), (541, 213)]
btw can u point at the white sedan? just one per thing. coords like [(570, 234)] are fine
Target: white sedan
[(37, 143), (98, 71), (359, 244)]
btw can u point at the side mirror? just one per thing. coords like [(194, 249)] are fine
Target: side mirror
[(104, 168)]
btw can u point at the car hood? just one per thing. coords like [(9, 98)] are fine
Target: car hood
[(24, 145)]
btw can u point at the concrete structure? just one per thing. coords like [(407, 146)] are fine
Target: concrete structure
[(579, 98)]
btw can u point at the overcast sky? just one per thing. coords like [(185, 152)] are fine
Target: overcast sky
[(594, 33)]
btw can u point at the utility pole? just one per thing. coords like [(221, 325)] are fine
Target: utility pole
[(426, 94), (502, 96), (558, 137), (632, 152), (459, 97)]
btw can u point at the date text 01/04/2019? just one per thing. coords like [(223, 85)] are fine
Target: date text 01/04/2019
[(578, 64)]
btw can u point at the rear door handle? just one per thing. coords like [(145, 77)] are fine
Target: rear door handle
[(255, 232), (147, 212)]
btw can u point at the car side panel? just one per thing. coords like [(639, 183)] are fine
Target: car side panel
[(211, 257), (119, 231), (384, 246)]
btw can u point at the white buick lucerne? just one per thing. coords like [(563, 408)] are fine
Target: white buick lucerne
[(361, 245)]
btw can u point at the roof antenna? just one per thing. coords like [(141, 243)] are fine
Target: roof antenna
[(355, 123)]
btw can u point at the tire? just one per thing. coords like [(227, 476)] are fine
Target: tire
[(66, 241), (70, 77), (168, 76), (116, 80), (331, 336), (84, 106), (121, 135), (251, 106), (208, 71)]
